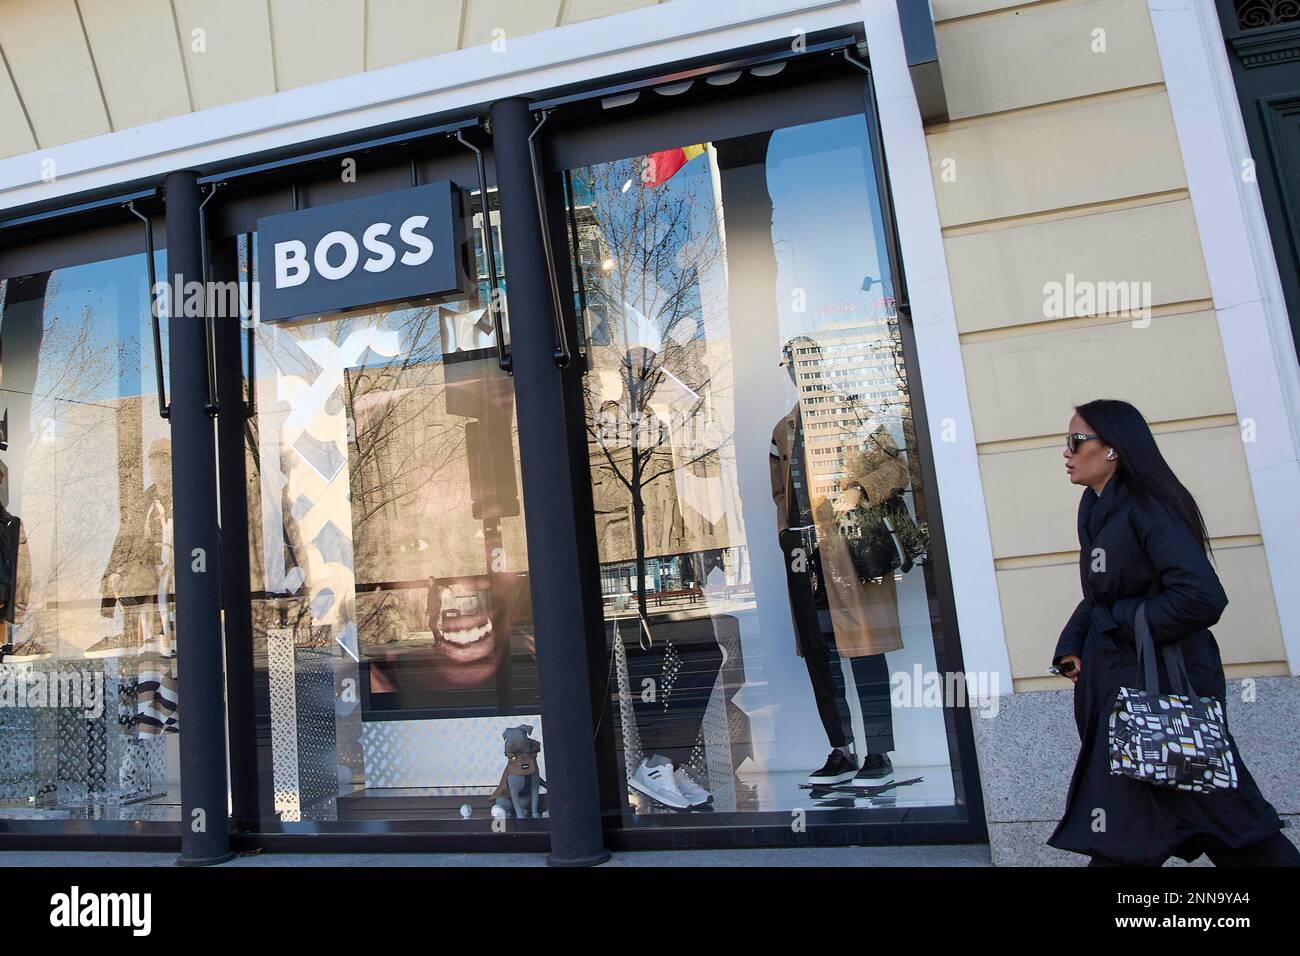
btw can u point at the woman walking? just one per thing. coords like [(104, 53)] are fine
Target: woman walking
[(1142, 540)]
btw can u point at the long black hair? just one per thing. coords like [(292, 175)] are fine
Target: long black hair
[(1142, 468)]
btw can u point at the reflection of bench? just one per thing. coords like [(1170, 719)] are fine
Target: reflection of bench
[(692, 594), (656, 598)]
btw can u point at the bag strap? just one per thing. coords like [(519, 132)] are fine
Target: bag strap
[(1146, 651), (1176, 667)]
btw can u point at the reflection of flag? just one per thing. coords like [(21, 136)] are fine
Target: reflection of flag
[(661, 166)]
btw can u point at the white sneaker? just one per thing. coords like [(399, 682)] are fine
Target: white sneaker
[(658, 784), (695, 795)]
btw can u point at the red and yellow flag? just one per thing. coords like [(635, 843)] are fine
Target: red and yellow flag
[(660, 167)]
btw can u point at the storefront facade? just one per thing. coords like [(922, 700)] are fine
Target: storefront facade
[(569, 456)]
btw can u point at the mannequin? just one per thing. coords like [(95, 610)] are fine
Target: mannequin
[(837, 610), (15, 583), (139, 577)]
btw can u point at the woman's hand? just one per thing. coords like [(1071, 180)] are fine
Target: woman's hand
[(1078, 667)]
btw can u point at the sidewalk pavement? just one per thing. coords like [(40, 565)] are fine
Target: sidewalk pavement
[(973, 855)]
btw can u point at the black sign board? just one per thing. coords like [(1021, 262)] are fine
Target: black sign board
[(399, 245)]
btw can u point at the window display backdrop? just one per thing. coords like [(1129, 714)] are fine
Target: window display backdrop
[(390, 594), (760, 519)]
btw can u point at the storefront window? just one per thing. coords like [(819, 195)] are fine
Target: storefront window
[(88, 695), (770, 606), (761, 523), (391, 611)]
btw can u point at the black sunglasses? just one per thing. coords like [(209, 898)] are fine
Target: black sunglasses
[(1074, 439)]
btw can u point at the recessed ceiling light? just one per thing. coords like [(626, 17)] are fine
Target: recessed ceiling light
[(674, 89), (619, 99), (723, 79)]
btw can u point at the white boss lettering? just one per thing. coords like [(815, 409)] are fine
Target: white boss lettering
[(421, 246), (373, 241), (337, 254), (291, 264), (350, 254)]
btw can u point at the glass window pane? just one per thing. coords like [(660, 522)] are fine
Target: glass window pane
[(89, 722), (760, 515), (391, 613)]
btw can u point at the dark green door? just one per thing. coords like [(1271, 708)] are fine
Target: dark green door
[(1263, 38)]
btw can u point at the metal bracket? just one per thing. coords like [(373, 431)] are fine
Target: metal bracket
[(164, 407), (562, 354), (847, 53), (213, 405), (576, 253), (489, 252), (250, 407)]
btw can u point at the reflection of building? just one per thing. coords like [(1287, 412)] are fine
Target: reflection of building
[(849, 383)]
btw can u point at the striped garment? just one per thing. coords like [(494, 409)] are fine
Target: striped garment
[(156, 695), (156, 701)]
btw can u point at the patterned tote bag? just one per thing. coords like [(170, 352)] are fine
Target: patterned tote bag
[(1175, 740)]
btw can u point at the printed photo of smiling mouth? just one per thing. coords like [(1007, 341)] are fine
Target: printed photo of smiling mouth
[(466, 638)]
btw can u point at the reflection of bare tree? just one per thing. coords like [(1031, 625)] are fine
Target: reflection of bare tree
[(399, 441), (66, 434), (653, 282), (409, 438), (77, 366)]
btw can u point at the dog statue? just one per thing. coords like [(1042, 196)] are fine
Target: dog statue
[(521, 783)]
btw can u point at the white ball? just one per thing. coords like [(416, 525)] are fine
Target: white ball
[(498, 813), (465, 811)]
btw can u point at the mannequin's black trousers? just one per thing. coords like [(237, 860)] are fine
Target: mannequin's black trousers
[(821, 656)]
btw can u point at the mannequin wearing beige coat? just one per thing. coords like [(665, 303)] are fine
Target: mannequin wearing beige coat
[(864, 614), (835, 615)]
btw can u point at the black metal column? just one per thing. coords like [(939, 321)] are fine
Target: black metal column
[(558, 621), (613, 784), (232, 440), (205, 835)]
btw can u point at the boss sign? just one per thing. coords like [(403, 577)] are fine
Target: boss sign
[(392, 247)]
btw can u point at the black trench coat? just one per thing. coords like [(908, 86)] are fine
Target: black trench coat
[(1149, 555)]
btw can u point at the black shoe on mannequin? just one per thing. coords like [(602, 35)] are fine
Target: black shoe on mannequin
[(837, 769), (877, 768)]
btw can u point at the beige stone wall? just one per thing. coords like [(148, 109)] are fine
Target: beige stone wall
[(77, 68), (1061, 158)]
